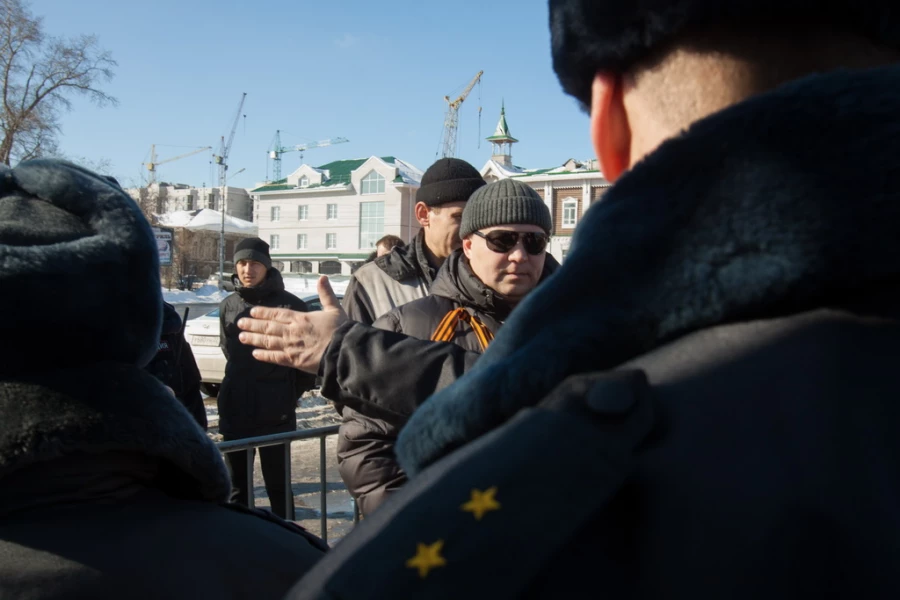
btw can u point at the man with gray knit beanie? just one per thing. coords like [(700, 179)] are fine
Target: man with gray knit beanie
[(505, 228)]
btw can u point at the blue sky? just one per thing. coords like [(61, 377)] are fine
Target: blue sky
[(375, 73)]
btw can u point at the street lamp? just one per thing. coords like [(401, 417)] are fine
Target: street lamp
[(223, 208)]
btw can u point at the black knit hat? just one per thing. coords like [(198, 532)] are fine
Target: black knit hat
[(504, 202), (252, 249), (449, 180), (612, 35), (79, 271)]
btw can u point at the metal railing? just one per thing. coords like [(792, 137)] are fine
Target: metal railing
[(285, 439)]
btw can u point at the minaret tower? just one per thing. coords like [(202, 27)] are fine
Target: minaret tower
[(502, 141)]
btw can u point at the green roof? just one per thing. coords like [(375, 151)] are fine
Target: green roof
[(339, 172), (502, 133)]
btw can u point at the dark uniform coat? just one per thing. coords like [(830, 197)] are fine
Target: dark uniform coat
[(704, 403)]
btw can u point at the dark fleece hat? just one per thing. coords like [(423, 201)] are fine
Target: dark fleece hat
[(79, 271), (449, 180), (504, 202), (593, 35), (252, 249)]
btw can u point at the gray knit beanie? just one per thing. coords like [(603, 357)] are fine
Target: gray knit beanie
[(504, 202)]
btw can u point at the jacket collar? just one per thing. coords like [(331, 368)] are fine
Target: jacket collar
[(783, 203), (272, 284), (107, 408), (409, 261)]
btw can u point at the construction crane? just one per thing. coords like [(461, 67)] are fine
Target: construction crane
[(221, 159), (276, 150), (151, 166), (451, 120)]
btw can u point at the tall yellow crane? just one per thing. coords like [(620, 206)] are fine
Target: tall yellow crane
[(451, 120), (151, 166)]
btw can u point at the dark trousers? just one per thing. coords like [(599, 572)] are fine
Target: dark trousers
[(275, 470)]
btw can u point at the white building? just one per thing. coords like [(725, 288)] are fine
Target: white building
[(165, 198), (567, 190), (326, 219)]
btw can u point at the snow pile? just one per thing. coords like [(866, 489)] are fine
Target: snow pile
[(408, 172), (208, 294)]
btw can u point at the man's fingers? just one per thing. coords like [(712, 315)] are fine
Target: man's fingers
[(260, 340), (260, 326), (274, 357), (279, 315), (326, 294)]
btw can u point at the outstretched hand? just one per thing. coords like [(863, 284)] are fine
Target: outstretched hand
[(294, 339)]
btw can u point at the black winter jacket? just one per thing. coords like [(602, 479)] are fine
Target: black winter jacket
[(109, 489), (366, 441), (175, 366), (256, 398)]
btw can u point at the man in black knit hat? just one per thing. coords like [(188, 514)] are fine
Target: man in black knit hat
[(407, 272), (108, 488), (702, 402), (257, 398)]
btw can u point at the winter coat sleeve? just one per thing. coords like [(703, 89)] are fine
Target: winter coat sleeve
[(357, 304), (223, 344), (386, 373)]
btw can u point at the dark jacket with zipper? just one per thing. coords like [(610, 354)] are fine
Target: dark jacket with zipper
[(175, 366), (717, 418), (395, 377), (256, 398), (401, 276)]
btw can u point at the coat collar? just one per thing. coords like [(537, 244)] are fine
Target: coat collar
[(783, 203)]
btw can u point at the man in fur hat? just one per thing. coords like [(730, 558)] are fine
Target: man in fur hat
[(108, 487)]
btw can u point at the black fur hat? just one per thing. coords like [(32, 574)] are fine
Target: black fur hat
[(592, 35), (79, 271)]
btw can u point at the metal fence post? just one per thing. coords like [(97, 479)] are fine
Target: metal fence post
[(250, 453), (288, 487), (323, 490)]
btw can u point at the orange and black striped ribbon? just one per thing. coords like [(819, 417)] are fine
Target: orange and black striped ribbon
[(446, 330)]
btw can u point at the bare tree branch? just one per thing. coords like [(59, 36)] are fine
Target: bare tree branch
[(40, 76)]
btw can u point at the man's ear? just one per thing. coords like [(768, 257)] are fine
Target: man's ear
[(467, 246), (610, 130), (422, 215)]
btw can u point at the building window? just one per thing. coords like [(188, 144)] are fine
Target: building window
[(373, 183), (332, 212), (330, 241), (189, 202), (565, 253), (301, 266), (570, 213), (303, 213), (276, 213), (274, 242), (301, 241), (371, 223), (304, 181), (329, 267)]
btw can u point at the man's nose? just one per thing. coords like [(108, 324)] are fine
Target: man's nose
[(518, 253)]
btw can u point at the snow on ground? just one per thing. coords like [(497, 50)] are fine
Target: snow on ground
[(305, 285), (208, 294)]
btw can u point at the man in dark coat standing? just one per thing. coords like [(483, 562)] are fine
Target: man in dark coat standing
[(257, 398), (703, 401), (108, 487)]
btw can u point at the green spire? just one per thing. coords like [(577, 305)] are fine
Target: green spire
[(502, 135)]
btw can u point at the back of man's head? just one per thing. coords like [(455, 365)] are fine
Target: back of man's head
[(79, 271), (591, 36)]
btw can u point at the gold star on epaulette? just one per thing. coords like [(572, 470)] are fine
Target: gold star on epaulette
[(482, 502), (427, 557)]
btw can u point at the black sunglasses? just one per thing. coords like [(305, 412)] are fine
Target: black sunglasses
[(504, 241)]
